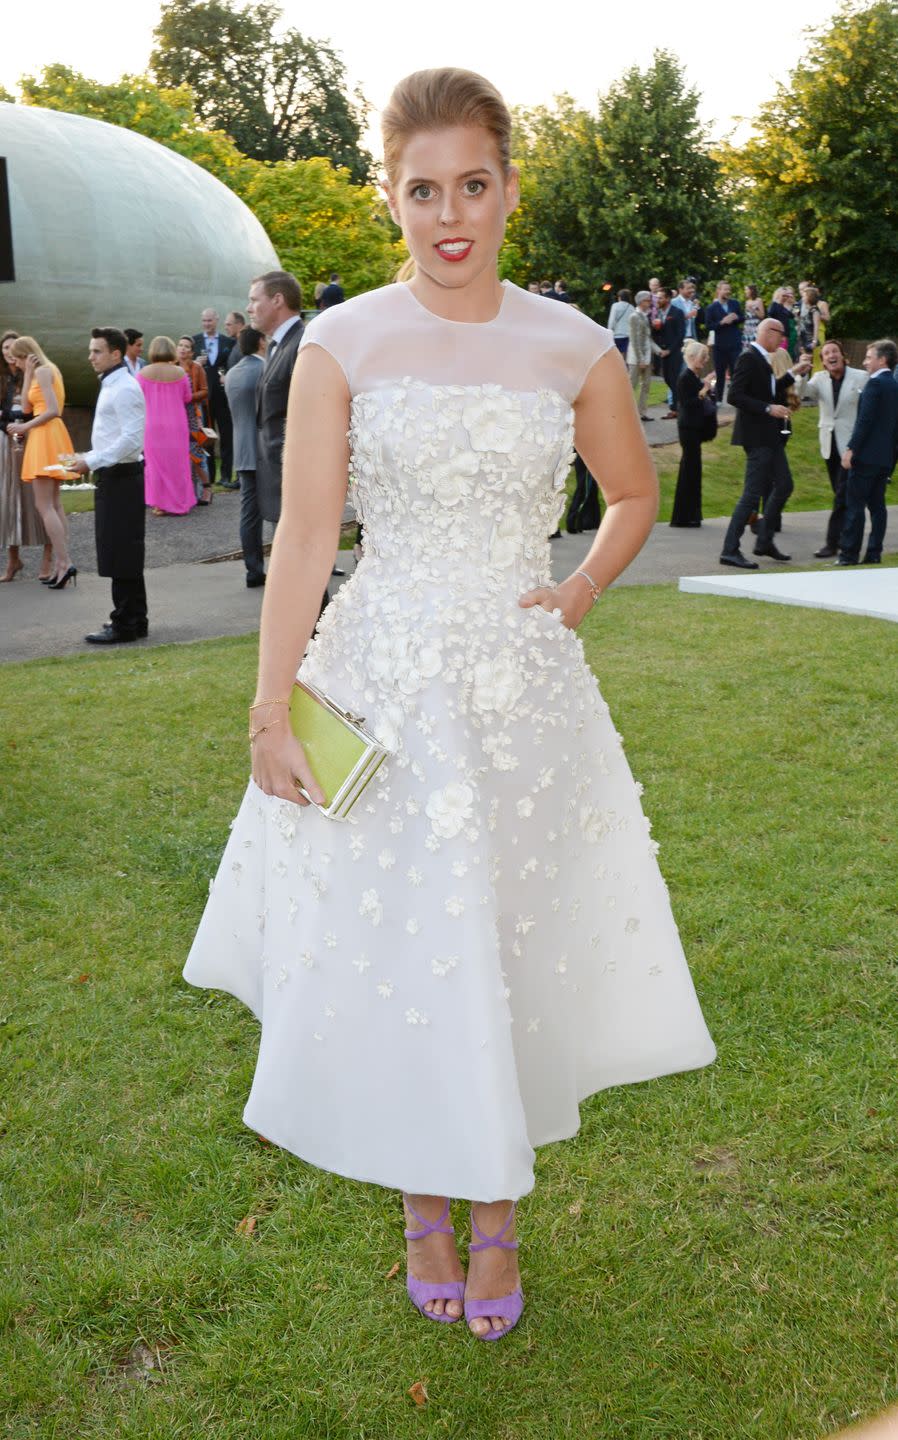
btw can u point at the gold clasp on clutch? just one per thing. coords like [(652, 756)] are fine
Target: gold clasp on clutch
[(346, 714)]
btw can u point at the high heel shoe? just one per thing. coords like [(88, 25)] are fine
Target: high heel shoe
[(62, 582), (510, 1307), (420, 1291)]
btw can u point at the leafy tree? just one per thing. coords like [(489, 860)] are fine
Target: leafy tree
[(319, 221), (278, 97), (814, 180), (630, 192)]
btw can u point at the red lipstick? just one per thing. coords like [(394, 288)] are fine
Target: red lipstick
[(464, 248)]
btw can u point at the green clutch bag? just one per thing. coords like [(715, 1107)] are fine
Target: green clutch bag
[(342, 755)]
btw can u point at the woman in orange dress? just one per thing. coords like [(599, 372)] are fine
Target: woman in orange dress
[(196, 418), (46, 438), (20, 524)]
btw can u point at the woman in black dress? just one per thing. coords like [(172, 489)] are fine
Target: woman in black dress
[(693, 426)]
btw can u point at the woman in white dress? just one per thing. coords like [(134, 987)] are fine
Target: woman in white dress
[(488, 939)]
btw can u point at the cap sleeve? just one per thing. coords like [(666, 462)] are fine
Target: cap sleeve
[(594, 341), (330, 332)]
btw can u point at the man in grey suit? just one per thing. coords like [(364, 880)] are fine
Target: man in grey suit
[(275, 302), (241, 383)]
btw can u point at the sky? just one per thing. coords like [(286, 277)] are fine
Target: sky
[(532, 52)]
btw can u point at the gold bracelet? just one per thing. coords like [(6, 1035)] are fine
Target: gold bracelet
[(596, 592), (261, 704), (260, 729)]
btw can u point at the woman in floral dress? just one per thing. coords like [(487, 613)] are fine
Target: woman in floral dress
[(488, 940)]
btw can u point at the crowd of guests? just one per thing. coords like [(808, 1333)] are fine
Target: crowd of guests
[(204, 405), (200, 405)]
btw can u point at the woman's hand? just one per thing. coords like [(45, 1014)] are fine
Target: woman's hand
[(279, 761), (17, 428), (572, 597)]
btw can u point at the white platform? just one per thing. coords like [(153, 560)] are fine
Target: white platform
[(860, 590)]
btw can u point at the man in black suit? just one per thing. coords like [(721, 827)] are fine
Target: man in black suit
[(275, 302), (870, 456), (213, 351), (761, 428), (725, 318), (669, 335)]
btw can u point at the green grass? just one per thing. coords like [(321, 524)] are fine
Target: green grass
[(714, 1255), (77, 502), (723, 468)]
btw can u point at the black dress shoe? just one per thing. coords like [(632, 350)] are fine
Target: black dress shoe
[(141, 631), (826, 552), (844, 560), (556, 535), (738, 561), (337, 571), (254, 581), (871, 560), (112, 636), (229, 484), (771, 550)]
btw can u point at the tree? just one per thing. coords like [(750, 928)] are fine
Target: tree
[(318, 220), (630, 192), (815, 178), (278, 97)]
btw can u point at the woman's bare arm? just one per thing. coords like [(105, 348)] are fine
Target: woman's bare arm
[(315, 473), (610, 440), (44, 377)]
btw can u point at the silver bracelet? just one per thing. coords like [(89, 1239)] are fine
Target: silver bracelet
[(596, 592)]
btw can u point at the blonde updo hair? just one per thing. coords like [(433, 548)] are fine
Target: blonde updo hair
[(695, 350), (436, 99), (162, 348)]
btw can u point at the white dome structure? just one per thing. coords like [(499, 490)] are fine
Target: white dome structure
[(110, 228)]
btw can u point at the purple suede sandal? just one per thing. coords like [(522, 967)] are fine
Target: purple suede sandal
[(510, 1307), (420, 1291)]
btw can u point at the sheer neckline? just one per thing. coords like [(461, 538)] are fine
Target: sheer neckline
[(475, 324)]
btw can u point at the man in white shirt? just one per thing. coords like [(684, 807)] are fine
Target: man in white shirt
[(134, 352), (837, 390), (116, 461)]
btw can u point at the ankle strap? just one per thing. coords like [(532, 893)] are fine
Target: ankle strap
[(429, 1229), (486, 1241)]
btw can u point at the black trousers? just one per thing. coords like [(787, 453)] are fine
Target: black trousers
[(838, 479), (865, 490), (768, 479), (250, 525), (129, 604), (219, 412), (687, 505), (584, 511), (724, 359), (671, 365), (119, 527)]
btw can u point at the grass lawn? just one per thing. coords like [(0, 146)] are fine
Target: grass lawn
[(714, 1255), (77, 502), (723, 467)]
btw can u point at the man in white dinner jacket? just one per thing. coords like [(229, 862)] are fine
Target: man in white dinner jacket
[(837, 389)]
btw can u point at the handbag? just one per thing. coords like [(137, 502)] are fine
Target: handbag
[(343, 756)]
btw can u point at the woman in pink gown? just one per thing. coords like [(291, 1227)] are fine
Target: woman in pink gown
[(167, 391)]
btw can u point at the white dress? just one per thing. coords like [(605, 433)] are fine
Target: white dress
[(488, 939)]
